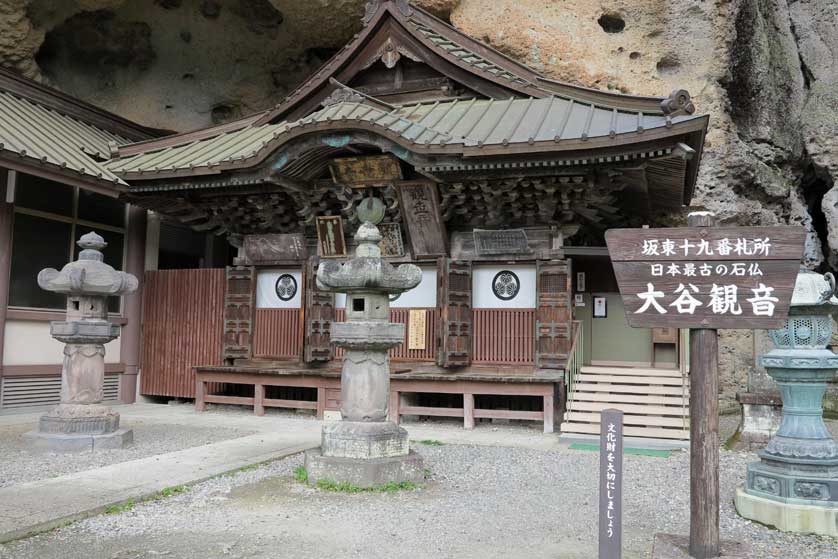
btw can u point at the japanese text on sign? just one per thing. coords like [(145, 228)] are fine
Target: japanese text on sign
[(730, 277), (611, 483)]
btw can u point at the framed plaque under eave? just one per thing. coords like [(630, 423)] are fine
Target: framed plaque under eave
[(330, 241), (422, 215)]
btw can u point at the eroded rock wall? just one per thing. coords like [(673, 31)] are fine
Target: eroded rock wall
[(765, 70)]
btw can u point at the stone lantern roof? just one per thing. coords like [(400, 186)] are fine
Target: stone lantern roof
[(367, 271), (88, 275), (812, 289)]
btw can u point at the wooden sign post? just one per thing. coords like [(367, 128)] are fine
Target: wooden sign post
[(611, 484), (705, 277)]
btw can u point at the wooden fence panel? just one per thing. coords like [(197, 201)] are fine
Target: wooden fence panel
[(402, 353), (183, 315), (278, 333), (504, 336)]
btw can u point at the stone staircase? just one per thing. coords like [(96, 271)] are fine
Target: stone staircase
[(655, 402)]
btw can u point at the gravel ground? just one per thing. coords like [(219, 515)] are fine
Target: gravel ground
[(479, 502), (19, 464)]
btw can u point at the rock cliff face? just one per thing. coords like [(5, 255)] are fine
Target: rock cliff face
[(765, 70)]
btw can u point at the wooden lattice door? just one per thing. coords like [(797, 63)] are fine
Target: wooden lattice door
[(319, 315), (554, 316), (239, 304), (455, 334)]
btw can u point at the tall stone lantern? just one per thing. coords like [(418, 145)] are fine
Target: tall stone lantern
[(364, 448), (794, 486), (80, 421)]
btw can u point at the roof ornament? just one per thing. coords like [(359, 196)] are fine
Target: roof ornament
[(372, 7), (341, 95), (344, 93), (678, 103)]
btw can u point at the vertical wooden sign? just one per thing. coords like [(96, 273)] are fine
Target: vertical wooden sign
[(611, 484), (425, 226), (417, 324)]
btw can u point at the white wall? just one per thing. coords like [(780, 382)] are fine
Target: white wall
[(484, 298), (266, 297), (29, 343), (422, 296)]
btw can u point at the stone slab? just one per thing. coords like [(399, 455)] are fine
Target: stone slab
[(59, 442), (364, 473), (788, 517), (673, 546), (364, 440), (30, 508)]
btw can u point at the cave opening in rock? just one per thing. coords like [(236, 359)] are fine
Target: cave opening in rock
[(814, 184), (611, 23), (96, 42)]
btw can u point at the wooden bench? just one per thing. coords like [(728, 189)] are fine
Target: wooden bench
[(327, 383)]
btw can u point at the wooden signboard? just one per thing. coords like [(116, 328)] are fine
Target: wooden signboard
[(706, 277), (417, 322), (391, 240), (330, 236), (267, 249), (373, 170), (611, 484), (420, 210)]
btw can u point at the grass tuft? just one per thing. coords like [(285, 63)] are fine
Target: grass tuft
[(300, 474), (333, 486), (124, 507), (431, 442)]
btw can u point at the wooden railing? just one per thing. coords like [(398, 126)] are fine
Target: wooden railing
[(575, 361), (504, 336)]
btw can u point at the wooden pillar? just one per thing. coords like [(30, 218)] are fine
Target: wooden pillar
[(6, 218), (259, 399), (395, 404), (549, 409), (468, 411), (321, 402), (200, 394), (704, 432), (130, 349)]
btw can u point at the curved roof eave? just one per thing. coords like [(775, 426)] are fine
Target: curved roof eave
[(330, 129)]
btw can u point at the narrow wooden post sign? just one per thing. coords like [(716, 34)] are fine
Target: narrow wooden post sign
[(611, 484), (705, 277)]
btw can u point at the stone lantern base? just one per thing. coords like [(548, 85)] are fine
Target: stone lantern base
[(367, 473), (79, 427), (364, 454), (788, 517)]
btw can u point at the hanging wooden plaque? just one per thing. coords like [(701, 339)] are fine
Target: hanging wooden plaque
[(267, 249), (706, 277), (372, 170), (420, 209), (330, 236)]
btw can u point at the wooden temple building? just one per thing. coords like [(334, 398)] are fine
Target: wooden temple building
[(498, 182)]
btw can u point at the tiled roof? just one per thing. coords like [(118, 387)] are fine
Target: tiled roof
[(452, 126)]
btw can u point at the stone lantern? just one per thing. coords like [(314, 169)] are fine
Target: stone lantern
[(794, 486), (80, 421), (364, 448)]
